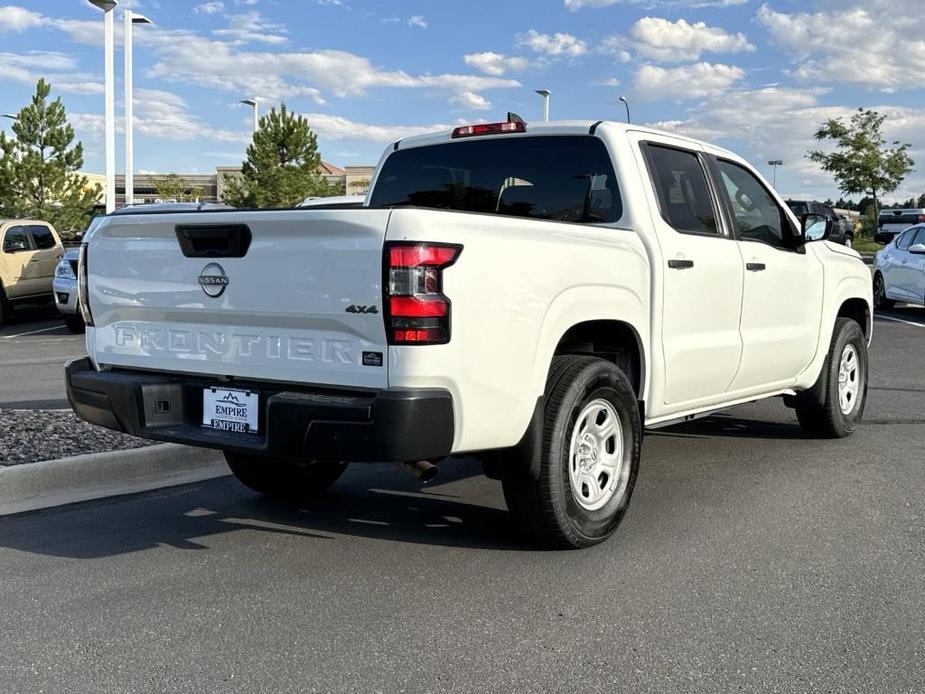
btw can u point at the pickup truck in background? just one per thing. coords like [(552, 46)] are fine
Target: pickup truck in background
[(29, 252), (534, 296), (842, 228)]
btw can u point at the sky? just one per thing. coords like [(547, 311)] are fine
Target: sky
[(756, 77)]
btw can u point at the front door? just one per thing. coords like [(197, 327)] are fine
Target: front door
[(699, 278), (782, 301)]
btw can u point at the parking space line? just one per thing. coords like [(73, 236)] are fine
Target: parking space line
[(33, 332), (900, 320)]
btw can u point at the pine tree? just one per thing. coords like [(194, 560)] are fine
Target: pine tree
[(282, 166), (39, 168)]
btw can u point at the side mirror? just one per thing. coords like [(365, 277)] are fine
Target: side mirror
[(815, 227), (917, 248)]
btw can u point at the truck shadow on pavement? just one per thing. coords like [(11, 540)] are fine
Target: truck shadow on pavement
[(372, 501)]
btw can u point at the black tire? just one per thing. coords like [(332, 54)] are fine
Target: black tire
[(74, 322), (6, 311), (819, 409), (284, 479), (543, 501), (880, 300), (848, 241)]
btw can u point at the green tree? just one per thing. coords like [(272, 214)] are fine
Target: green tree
[(282, 165), (39, 167), (172, 187), (861, 163)]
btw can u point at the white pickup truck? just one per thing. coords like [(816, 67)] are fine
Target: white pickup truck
[(532, 295)]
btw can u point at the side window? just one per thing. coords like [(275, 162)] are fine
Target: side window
[(827, 211), (757, 216), (16, 239), (903, 240), (681, 185), (42, 237), (919, 237)]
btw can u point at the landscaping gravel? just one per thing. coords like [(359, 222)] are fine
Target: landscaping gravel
[(28, 436)]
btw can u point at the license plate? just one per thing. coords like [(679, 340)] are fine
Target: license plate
[(230, 410)]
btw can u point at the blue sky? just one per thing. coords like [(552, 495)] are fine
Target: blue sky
[(756, 77)]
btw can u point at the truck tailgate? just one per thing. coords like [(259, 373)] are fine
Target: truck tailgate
[(302, 305)]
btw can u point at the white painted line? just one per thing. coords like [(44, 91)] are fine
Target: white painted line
[(900, 320), (33, 332)]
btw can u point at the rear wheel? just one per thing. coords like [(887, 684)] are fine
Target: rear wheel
[(833, 407), (284, 479), (581, 482), (880, 300), (6, 311)]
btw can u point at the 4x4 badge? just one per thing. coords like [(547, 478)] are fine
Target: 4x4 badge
[(353, 308)]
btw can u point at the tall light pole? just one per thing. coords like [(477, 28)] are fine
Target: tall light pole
[(109, 100), (545, 94), (627, 104), (253, 102), (130, 19), (774, 163)]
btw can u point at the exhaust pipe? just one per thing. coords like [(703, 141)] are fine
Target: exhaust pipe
[(421, 469)]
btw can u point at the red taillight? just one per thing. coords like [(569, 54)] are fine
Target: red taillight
[(921, 218), (417, 311), (83, 289), (490, 129)]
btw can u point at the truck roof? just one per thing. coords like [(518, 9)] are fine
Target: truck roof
[(562, 127)]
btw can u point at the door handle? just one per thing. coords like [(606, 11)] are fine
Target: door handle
[(755, 267), (35, 260), (678, 264)]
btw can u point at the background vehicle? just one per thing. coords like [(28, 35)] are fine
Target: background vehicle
[(842, 228), (899, 269), (892, 222), (65, 288), (29, 251), (532, 297)]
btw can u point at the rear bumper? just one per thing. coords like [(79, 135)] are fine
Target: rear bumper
[(298, 423)]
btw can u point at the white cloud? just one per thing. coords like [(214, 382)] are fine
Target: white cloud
[(340, 128), (472, 100), (496, 64), (18, 19), (558, 45), (685, 82), (877, 51), (210, 7), (660, 39), (417, 21), (249, 27), (56, 68)]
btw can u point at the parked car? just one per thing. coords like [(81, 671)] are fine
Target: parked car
[(29, 251), (65, 287), (344, 200), (890, 223), (532, 296), (899, 269), (842, 228)]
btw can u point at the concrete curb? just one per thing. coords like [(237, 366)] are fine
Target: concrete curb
[(51, 483)]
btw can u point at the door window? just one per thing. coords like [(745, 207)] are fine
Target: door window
[(42, 237), (683, 195), (758, 217), (904, 240), (16, 239), (919, 237)]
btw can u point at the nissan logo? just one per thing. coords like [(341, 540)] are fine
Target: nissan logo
[(213, 280)]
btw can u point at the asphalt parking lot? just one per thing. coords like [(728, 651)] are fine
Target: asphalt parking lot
[(752, 559)]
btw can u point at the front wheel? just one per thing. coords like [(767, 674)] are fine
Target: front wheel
[(849, 241), (580, 483), (284, 479), (833, 407), (74, 322), (880, 300)]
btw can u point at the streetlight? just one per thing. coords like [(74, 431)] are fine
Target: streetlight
[(627, 104), (130, 19), (774, 163), (545, 94), (109, 100), (253, 102)]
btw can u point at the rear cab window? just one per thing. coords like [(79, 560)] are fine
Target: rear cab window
[(566, 178)]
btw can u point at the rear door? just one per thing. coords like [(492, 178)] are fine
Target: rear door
[(899, 273), (283, 295), (48, 251), (19, 267), (782, 301), (701, 279)]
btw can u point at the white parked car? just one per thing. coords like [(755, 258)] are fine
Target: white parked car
[(899, 269), (531, 295)]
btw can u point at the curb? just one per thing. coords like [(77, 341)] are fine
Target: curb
[(50, 483)]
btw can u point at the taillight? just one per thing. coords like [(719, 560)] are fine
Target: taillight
[(921, 218), (490, 129), (416, 310), (83, 293)]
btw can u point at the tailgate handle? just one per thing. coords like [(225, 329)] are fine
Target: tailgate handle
[(214, 240)]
